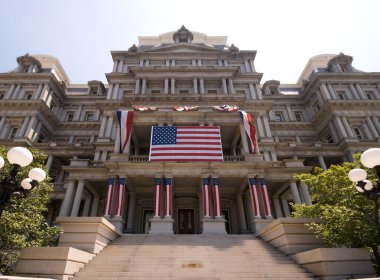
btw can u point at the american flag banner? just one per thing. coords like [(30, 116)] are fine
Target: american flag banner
[(185, 143), (145, 108), (125, 127), (264, 192), (250, 129)]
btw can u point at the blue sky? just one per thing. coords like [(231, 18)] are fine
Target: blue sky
[(81, 33)]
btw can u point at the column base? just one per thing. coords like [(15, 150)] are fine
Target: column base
[(259, 224), (214, 226), (118, 222), (161, 226)]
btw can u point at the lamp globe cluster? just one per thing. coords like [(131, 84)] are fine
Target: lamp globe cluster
[(18, 157), (370, 159)]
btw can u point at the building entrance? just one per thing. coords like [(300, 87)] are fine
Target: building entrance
[(186, 221)]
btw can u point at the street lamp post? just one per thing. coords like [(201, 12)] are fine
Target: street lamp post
[(18, 157), (370, 159)]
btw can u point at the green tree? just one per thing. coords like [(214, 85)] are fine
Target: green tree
[(348, 217), (22, 223)]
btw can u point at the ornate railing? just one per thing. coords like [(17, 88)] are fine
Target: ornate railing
[(277, 164), (233, 158), (138, 158), (96, 163), (58, 186)]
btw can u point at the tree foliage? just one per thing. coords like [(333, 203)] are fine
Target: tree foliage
[(22, 223), (348, 216)]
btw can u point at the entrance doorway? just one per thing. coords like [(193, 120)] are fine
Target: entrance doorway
[(186, 221), (148, 214)]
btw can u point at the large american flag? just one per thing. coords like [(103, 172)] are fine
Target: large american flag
[(185, 143)]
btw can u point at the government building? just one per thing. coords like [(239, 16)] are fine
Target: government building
[(100, 138)]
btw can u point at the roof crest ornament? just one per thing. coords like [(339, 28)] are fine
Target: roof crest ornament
[(183, 35)]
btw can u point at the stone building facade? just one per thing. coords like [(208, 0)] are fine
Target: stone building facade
[(331, 113)]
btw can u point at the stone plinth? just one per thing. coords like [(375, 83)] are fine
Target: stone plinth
[(118, 222), (161, 226), (51, 262), (253, 157), (214, 226), (259, 224), (290, 235), (90, 234), (337, 263)]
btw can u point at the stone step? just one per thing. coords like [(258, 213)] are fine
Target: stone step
[(186, 278), (192, 272)]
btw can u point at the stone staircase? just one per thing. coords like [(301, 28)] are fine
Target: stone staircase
[(133, 257)]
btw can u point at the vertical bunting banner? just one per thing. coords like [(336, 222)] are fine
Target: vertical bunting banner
[(206, 200), (120, 197), (250, 129), (168, 205), (264, 192), (216, 198), (254, 197), (125, 127), (107, 209), (157, 198)]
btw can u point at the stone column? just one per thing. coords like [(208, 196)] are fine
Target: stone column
[(241, 213), (157, 198), (77, 199), (109, 127), (224, 86), (305, 193), (260, 127), (143, 87), (258, 91), (31, 127), (217, 205), (172, 86), (277, 207), (115, 94), (325, 92), (120, 66), (374, 120), (109, 197), (168, 198), (266, 125), (332, 92), (95, 205), (360, 92), (354, 92), (22, 130), (68, 200), (37, 92), (231, 86), (16, 92), (290, 113), (166, 87), (372, 127), (252, 91), (131, 212), (2, 123), (44, 92), (206, 199), (9, 92), (120, 198), (295, 193), (86, 207), (322, 163), (285, 206), (103, 126), (202, 86), (49, 162), (244, 141), (339, 125), (195, 85), (137, 86), (347, 127)]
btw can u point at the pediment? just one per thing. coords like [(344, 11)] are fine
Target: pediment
[(182, 48)]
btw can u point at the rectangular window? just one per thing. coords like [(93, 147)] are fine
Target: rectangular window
[(28, 95), (369, 94), (273, 90), (2, 94), (278, 116), (69, 116), (212, 91), (13, 132), (358, 133), (298, 115), (240, 91), (184, 91), (155, 91), (341, 94), (89, 117)]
